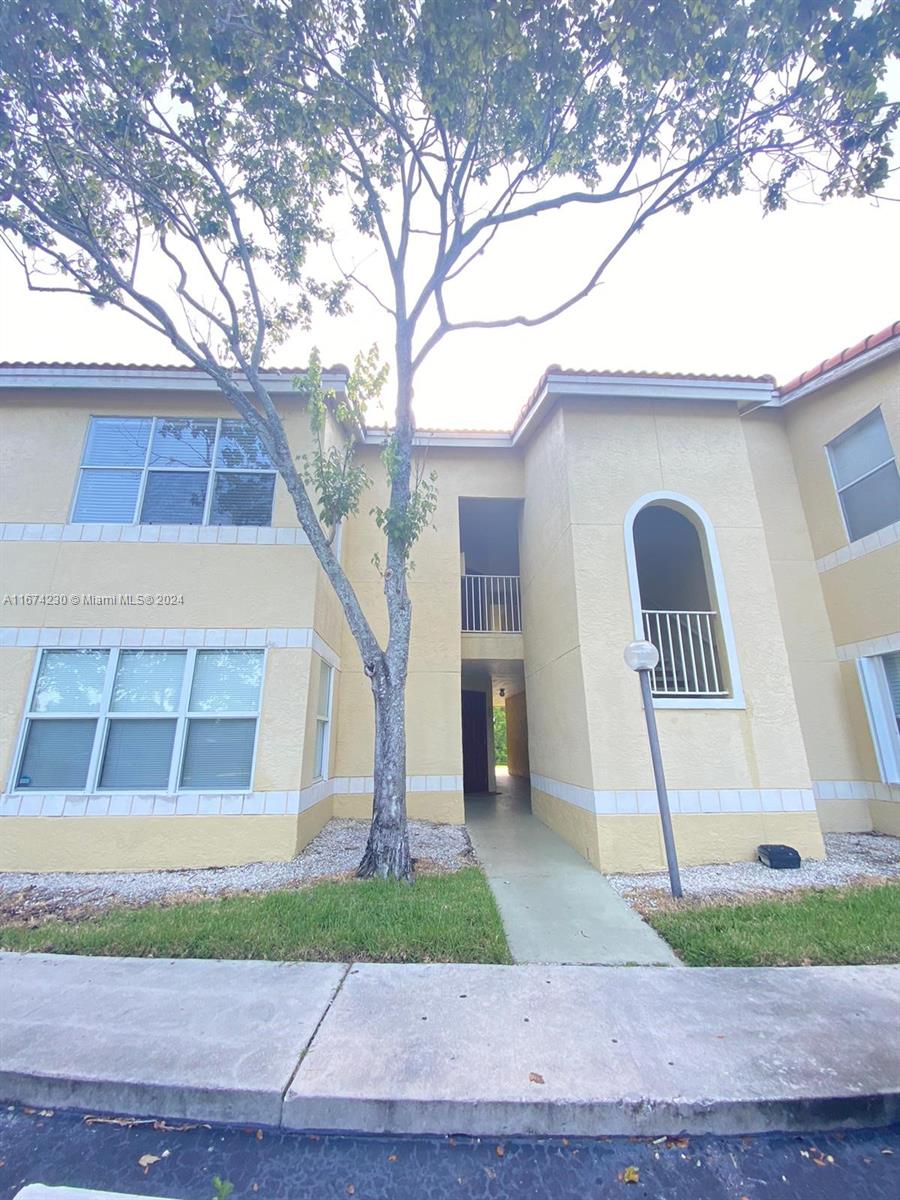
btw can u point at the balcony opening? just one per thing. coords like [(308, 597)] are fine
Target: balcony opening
[(680, 611), (489, 566)]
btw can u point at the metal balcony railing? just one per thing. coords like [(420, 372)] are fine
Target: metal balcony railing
[(689, 662), (491, 604)]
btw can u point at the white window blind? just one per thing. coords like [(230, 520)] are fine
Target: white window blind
[(57, 755), (218, 754), (174, 471), (70, 681), (138, 754), (226, 681), (323, 720), (141, 720), (865, 476)]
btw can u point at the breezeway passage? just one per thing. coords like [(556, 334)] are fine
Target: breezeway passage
[(555, 907)]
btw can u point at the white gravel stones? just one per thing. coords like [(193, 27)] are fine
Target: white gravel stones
[(851, 856), (336, 850)]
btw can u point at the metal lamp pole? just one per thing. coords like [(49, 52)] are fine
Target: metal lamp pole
[(643, 658)]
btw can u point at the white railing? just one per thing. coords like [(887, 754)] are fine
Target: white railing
[(689, 662), (491, 604)]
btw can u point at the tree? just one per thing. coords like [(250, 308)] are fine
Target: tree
[(218, 136), (501, 753)]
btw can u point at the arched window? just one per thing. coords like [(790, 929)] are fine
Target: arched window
[(679, 603)]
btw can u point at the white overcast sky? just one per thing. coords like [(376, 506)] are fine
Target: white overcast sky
[(721, 290)]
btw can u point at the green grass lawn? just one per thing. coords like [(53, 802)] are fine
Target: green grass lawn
[(856, 925), (440, 918)]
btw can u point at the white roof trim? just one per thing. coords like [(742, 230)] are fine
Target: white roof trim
[(866, 359), (646, 387), (147, 379), (486, 441)]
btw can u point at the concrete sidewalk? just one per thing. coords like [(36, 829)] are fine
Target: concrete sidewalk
[(554, 906), (453, 1049)]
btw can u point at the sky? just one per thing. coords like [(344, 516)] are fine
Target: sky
[(723, 289)]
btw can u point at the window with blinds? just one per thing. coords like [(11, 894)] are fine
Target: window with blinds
[(865, 475), (323, 720), (142, 720), (880, 678), (174, 471), (891, 665)]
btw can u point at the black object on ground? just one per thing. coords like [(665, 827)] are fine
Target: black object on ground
[(782, 858)]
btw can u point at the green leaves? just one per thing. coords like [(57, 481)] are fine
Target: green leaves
[(403, 522), (330, 471)]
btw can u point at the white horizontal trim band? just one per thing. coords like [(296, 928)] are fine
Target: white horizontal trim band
[(880, 645), (204, 804), (867, 545), (699, 800), (854, 789), (220, 535), (76, 637)]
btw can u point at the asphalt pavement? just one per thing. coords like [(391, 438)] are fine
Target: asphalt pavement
[(179, 1161)]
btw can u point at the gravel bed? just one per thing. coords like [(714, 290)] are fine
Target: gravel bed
[(850, 856), (334, 851)]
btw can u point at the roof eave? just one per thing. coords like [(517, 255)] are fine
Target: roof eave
[(835, 374), (641, 388), (65, 378), (441, 441)]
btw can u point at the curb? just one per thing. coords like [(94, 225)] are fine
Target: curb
[(451, 1049)]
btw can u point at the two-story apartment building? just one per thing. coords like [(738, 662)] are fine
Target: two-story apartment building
[(180, 687)]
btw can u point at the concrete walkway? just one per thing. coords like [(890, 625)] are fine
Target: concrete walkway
[(387, 1048), (555, 907)]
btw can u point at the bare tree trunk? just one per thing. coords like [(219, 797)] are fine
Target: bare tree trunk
[(387, 851)]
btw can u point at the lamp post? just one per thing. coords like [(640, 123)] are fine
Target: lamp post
[(643, 657)]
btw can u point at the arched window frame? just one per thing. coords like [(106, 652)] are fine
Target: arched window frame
[(711, 557)]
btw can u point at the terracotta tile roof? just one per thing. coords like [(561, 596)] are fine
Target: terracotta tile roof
[(845, 356), (592, 373)]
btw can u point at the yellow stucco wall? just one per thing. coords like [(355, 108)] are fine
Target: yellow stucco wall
[(558, 736), (697, 451), (628, 843), (815, 420), (861, 597), (517, 735), (829, 733), (153, 843)]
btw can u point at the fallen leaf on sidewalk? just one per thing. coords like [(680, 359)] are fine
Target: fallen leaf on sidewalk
[(630, 1175), (147, 1160), (535, 1078)]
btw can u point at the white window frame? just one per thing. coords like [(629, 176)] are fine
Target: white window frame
[(880, 711), (210, 471), (720, 598), (838, 489), (182, 715), (323, 719)]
